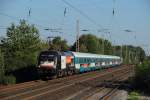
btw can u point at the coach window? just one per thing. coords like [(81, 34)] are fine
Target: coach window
[(80, 60), (85, 60)]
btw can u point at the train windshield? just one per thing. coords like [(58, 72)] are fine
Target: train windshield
[(47, 59), (46, 56)]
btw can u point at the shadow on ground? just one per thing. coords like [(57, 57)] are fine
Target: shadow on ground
[(26, 74)]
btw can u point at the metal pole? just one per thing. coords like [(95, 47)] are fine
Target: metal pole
[(126, 54), (103, 44), (121, 51), (77, 37), (129, 57), (114, 49)]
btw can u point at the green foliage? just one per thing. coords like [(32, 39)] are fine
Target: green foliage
[(130, 54), (93, 44), (9, 80), (1, 60), (142, 78), (133, 96), (59, 44), (83, 48), (44, 45), (1, 77), (1, 67), (20, 46), (108, 48)]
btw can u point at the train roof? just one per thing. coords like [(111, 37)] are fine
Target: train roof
[(67, 53), (62, 53), (90, 55), (80, 54)]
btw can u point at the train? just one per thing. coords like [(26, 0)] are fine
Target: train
[(60, 63)]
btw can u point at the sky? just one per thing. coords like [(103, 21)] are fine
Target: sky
[(96, 16)]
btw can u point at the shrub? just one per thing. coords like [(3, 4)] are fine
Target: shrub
[(9, 80), (1, 77), (142, 78), (133, 96)]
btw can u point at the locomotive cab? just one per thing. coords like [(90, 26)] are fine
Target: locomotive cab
[(55, 63), (48, 61)]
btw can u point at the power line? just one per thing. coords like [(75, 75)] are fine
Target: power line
[(3, 28), (18, 19), (12, 17), (82, 13)]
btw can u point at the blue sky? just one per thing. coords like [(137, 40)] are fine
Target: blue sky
[(129, 14)]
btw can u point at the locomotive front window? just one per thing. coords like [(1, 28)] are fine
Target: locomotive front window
[(47, 57)]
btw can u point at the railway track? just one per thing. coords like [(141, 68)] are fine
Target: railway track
[(85, 95), (62, 88), (32, 83), (108, 90), (111, 91)]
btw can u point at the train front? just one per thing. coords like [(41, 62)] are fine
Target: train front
[(48, 62)]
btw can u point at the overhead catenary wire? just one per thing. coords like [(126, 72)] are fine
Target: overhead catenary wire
[(3, 27), (29, 12), (38, 25), (18, 19), (83, 14), (7, 15)]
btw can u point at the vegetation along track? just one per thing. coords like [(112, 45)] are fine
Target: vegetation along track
[(62, 87)]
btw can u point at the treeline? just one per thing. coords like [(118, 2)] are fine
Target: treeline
[(93, 44), (20, 48)]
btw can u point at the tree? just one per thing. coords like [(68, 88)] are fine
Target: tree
[(141, 54), (108, 49), (1, 67), (83, 48), (59, 44), (1, 60), (130, 54), (90, 43), (20, 46), (44, 45)]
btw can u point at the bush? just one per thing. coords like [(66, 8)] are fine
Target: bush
[(133, 96), (1, 77), (142, 78), (9, 80)]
